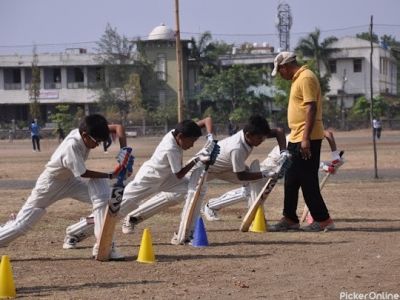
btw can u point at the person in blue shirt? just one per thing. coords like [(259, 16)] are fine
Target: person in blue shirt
[(34, 128)]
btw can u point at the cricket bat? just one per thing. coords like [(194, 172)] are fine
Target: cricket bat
[(111, 218), (262, 196), (306, 211), (188, 213), (187, 218)]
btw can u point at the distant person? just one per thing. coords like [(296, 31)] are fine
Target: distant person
[(377, 127), (34, 128), (61, 134), (10, 136)]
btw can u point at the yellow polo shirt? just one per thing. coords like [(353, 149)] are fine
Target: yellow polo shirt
[(305, 89)]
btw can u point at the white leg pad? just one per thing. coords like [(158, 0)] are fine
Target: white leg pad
[(255, 186), (229, 198), (83, 229), (155, 204), (100, 194)]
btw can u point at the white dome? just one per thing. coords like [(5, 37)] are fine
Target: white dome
[(161, 32)]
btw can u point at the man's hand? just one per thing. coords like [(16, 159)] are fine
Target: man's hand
[(305, 149)]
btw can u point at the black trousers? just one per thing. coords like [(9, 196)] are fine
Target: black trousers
[(304, 174), (36, 142)]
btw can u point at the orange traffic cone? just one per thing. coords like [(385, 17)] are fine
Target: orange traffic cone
[(7, 287), (258, 224), (146, 253)]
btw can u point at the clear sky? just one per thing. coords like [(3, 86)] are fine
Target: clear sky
[(72, 23)]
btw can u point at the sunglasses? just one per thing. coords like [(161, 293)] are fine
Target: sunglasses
[(97, 142)]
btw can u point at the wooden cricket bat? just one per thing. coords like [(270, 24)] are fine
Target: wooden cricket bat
[(188, 214), (251, 213), (262, 196), (111, 218)]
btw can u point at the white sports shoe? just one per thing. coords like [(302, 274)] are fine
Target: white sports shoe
[(175, 241), (114, 255), (70, 242), (128, 224), (210, 214)]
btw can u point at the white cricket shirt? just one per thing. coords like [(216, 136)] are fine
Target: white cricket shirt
[(167, 158), (233, 153), (69, 158)]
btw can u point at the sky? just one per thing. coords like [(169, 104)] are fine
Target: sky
[(54, 25)]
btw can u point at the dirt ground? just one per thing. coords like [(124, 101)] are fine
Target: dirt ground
[(361, 256)]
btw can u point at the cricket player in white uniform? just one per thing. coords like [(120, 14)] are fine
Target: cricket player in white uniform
[(162, 176), (66, 176), (230, 164), (267, 165)]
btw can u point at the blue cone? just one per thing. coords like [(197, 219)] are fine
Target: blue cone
[(200, 235)]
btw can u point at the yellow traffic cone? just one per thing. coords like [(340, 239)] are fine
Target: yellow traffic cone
[(258, 224), (146, 254), (7, 287)]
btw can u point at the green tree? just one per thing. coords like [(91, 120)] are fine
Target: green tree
[(366, 36), (361, 108), (124, 69), (228, 89), (63, 118), (310, 46), (34, 89)]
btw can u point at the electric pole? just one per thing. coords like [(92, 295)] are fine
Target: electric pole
[(181, 100)]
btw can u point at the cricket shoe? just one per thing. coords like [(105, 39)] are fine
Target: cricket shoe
[(128, 225), (320, 226), (70, 242), (210, 214), (114, 254), (175, 240), (285, 224)]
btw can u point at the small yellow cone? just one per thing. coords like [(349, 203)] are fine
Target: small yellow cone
[(146, 254), (7, 287), (258, 224)]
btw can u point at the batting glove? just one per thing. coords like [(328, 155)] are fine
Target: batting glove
[(210, 137), (123, 155)]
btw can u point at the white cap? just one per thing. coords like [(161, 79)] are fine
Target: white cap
[(281, 59)]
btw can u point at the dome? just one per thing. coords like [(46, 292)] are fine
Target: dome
[(161, 32)]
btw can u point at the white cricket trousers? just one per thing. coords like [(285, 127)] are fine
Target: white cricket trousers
[(147, 182), (47, 191)]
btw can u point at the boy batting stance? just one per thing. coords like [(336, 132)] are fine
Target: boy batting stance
[(163, 175), (269, 164), (66, 176)]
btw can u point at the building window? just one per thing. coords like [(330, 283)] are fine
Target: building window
[(52, 78), (96, 75), (12, 79), (161, 67), (357, 65), (332, 66), (75, 78)]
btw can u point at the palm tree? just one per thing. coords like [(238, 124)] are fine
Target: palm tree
[(320, 52)]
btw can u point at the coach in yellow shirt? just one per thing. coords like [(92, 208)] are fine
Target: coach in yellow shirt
[(306, 135)]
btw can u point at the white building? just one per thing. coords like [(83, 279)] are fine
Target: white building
[(351, 72), (68, 78), (65, 78)]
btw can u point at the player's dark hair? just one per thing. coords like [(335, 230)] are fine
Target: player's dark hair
[(188, 128), (96, 126), (257, 125)]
